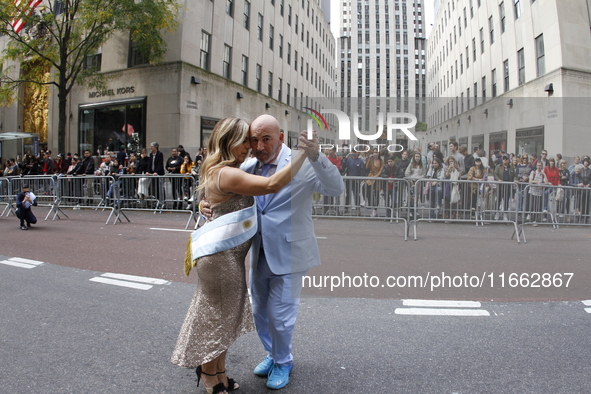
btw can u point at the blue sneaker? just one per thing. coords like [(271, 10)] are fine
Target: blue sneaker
[(264, 367), (279, 376)]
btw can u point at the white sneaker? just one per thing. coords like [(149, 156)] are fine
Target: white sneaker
[(535, 224), (496, 216), (545, 211), (544, 219), (362, 203), (505, 218), (528, 217), (374, 213)]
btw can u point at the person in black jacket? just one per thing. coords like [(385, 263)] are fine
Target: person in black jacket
[(24, 201), (156, 167)]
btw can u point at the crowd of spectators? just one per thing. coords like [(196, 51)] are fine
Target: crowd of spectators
[(516, 170)]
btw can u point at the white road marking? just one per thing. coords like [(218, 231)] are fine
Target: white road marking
[(26, 261), (441, 312), (17, 264), (588, 310), (170, 229), (442, 303), (122, 283), (321, 237), (133, 278), (586, 302)]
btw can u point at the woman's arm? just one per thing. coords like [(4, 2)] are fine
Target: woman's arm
[(234, 180)]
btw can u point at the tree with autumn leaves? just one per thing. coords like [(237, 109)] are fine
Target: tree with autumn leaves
[(59, 36)]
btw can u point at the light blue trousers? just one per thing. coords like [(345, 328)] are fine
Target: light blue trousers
[(275, 304)]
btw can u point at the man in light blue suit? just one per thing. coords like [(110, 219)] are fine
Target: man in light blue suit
[(285, 246)]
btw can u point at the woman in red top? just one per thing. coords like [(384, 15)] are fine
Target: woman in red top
[(553, 174)]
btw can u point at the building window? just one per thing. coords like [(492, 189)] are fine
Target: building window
[(287, 94), (481, 40), (230, 7), (289, 54), (474, 49), (227, 67), (502, 16), (93, 62), (259, 72), (540, 53), (280, 91), (281, 46), (467, 58), (271, 34), (260, 28), (205, 49), (491, 28), (244, 70), (506, 75), (289, 14), (483, 89), (468, 98), (295, 60), (281, 7), (98, 123), (517, 8), (135, 58), (246, 22), (270, 86), (59, 7), (494, 82), (475, 94), (520, 67)]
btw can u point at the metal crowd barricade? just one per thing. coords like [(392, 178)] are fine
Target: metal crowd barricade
[(172, 192), (368, 198), (6, 196), (555, 206), (43, 186), (80, 191), (478, 202)]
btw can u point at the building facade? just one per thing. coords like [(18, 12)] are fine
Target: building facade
[(382, 55), (227, 58), (510, 74)]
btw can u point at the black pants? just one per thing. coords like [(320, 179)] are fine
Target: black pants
[(26, 215)]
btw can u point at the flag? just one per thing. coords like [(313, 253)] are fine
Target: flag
[(225, 232), (24, 8)]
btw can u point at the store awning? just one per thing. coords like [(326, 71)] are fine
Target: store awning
[(16, 136)]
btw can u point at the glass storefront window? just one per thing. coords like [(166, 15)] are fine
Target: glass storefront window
[(530, 141), (106, 127)]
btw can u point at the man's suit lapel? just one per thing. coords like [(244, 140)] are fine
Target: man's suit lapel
[(284, 159)]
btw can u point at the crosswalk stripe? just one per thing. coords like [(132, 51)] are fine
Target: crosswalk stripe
[(17, 264), (441, 312), (133, 278), (26, 261), (586, 302), (442, 303), (122, 283)]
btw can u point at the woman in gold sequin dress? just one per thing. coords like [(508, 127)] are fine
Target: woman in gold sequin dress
[(220, 310)]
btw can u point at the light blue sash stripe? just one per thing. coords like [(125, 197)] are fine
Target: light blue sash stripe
[(226, 232)]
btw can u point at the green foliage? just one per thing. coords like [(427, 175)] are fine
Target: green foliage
[(421, 126)]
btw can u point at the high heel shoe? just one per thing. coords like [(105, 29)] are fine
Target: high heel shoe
[(232, 385), (218, 388)]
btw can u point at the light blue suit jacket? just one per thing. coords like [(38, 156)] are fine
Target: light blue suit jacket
[(285, 222)]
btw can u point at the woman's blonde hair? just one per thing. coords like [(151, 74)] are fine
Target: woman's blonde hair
[(227, 134)]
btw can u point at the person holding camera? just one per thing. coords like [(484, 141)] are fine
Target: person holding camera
[(24, 200)]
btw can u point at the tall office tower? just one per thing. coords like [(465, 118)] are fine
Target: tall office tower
[(510, 75), (382, 58)]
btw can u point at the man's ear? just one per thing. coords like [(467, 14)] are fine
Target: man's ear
[(281, 137)]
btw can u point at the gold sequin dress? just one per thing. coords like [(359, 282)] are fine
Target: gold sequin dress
[(220, 311)]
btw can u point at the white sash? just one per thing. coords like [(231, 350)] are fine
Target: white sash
[(225, 232)]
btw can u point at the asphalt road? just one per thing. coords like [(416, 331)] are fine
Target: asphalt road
[(63, 332)]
